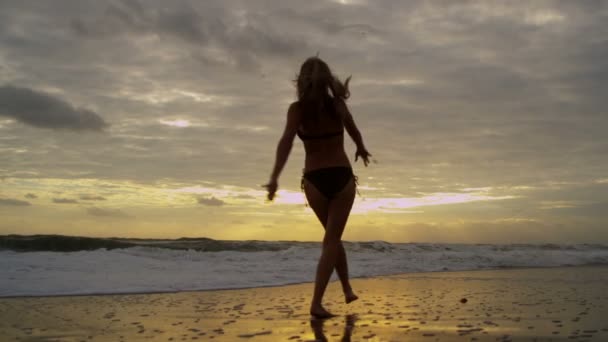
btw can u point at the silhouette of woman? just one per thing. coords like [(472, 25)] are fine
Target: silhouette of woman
[(319, 118)]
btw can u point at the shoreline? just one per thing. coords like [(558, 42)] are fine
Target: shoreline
[(332, 280), (161, 270), (548, 304)]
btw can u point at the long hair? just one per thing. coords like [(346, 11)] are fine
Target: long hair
[(314, 84)]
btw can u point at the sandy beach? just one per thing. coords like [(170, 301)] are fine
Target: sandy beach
[(548, 304)]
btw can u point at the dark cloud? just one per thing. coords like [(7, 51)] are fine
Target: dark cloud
[(13, 202), (105, 212), (448, 95), (46, 111), (244, 38), (212, 201), (92, 198), (30, 196), (64, 200)]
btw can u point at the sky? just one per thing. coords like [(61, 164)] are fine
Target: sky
[(159, 119)]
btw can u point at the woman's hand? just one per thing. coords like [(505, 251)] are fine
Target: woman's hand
[(364, 156), (272, 188)]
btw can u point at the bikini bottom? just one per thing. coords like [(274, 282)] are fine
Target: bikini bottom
[(329, 180)]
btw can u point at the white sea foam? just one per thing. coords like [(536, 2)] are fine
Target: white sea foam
[(153, 269)]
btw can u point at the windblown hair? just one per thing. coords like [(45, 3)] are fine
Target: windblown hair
[(315, 82)]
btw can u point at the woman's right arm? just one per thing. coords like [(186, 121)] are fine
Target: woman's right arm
[(353, 131), (284, 148)]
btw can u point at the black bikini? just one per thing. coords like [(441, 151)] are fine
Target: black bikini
[(320, 136), (328, 180)]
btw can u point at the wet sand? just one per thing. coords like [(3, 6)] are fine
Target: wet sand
[(549, 304)]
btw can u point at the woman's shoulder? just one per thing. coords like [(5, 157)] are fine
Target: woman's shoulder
[(295, 107), (294, 111)]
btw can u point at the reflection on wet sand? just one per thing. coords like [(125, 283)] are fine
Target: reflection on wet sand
[(506, 305), (318, 331)]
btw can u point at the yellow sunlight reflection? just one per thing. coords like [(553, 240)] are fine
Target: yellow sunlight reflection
[(289, 197), (394, 204), (175, 123)]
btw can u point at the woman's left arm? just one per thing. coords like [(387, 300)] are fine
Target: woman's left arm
[(284, 148)]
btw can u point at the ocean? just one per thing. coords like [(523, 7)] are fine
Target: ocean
[(42, 265)]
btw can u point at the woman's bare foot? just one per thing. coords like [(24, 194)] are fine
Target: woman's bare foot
[(350, 296), (320, 312)]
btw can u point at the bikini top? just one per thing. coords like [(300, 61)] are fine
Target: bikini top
[(320, 136), (304, 136)]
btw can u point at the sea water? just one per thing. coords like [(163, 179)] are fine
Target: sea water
[(35, 266)]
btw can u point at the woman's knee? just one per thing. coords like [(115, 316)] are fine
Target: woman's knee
[(331, 242)]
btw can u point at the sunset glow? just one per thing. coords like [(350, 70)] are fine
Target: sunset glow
[(485, 120)]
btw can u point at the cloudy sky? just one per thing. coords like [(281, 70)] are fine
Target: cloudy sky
[(160, 119)]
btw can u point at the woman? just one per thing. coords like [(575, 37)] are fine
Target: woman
[(319, 118)]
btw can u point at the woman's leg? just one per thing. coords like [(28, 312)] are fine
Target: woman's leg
[(320, 206), (337, 216), (342, 270)]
